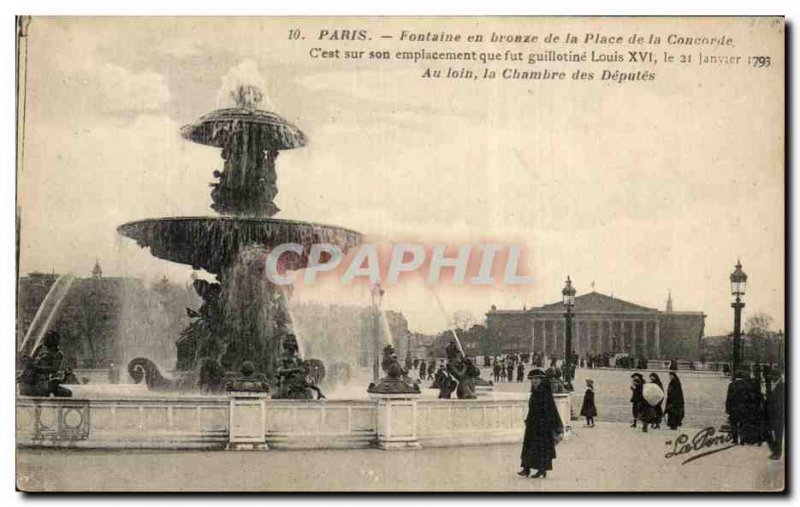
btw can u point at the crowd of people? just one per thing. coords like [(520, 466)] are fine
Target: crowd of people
[(755, 408), (650, 406), (510, 368)]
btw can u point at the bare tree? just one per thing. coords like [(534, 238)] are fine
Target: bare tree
[(463, 319), (758, 329)]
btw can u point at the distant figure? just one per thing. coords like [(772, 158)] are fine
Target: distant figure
[(520, 372), (673, 365), (588, 409), (543, 428), (659, 410), (510, 371), (113, 373), (423, 369), (775, 416), (431, 369), (496, 371), (43, 374), (674, 407)]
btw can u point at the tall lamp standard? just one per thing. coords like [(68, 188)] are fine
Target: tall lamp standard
[(568, 294), (377, 298), (738, 284)]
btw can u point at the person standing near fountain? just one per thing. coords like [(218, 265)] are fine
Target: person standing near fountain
[(543, 428), (43, 374)]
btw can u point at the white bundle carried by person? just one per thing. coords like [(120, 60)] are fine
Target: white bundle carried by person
[(652, 394)]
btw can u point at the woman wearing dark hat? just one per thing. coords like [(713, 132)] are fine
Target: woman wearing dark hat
[(588, 409), (674, 407), (543, 428)]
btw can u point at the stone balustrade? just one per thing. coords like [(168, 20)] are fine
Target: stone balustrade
[(205, 422)]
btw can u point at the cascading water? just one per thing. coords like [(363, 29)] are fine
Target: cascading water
[(45, 314)]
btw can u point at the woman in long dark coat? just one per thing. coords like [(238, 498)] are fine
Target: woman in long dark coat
[(588, 409), (674, 408), (642, 410), (659, 409), (542, 428), (636, 396)]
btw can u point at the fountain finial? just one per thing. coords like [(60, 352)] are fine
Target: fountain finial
[(247, 96)]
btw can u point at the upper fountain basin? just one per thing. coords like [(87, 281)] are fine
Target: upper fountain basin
[(212, 243), (218, 128)]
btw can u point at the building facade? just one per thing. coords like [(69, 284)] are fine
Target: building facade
[(602, 324)]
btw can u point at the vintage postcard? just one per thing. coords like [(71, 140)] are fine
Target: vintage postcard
[(436, 254)]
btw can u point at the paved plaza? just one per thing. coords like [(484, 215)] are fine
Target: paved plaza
[(609, 457), (704, 394)]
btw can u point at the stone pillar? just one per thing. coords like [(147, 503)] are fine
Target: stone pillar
[(247, 421), (533, 337), (397, 421), (640, 343), (632, 336), (658, 340), (595, 339)]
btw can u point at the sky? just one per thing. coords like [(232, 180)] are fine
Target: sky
[(642, 189)]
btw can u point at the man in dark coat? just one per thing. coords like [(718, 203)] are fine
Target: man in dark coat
[(775, 415), (521, 372), (752, 428), (735, 402), (674, 408), (543, 428)]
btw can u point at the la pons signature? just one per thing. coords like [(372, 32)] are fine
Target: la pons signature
[(704, 442)]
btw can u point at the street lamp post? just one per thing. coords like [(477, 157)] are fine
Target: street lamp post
[(568, 294), (377, 297), (738, 284)]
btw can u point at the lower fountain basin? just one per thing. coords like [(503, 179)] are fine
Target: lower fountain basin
[(191, 422), (211, 243)]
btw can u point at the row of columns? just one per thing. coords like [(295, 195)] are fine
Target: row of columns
[(593, 336)]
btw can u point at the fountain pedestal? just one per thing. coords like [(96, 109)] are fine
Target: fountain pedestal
[(248, 417), (564, 408), (397, 421)]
